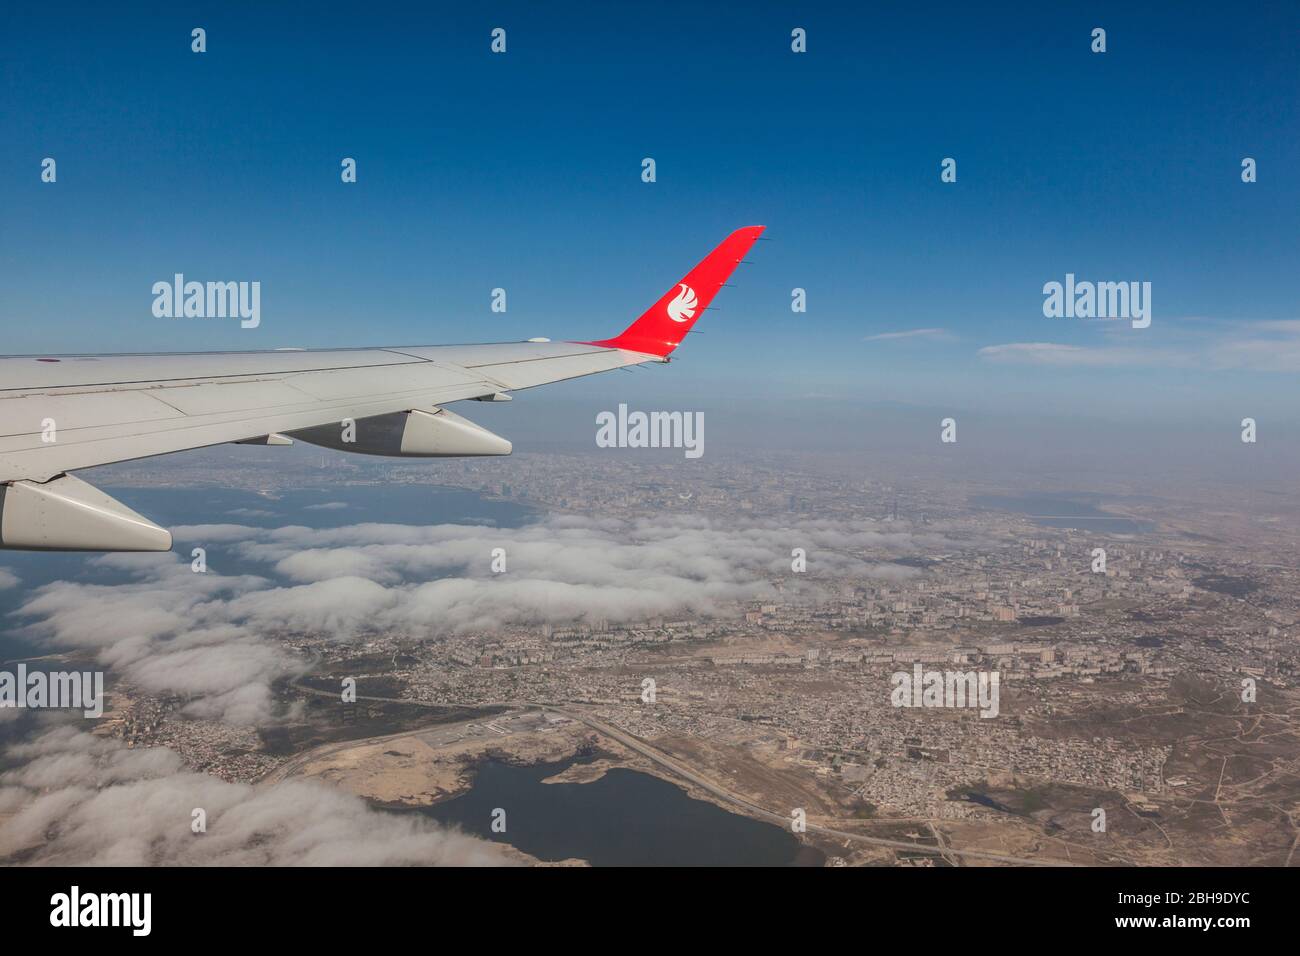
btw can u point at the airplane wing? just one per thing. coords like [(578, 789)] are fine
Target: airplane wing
[(60, 413)]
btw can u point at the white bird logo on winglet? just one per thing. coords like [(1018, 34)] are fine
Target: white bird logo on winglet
[(682, 307)]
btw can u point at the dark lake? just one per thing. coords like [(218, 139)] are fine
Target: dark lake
[(626, 818)]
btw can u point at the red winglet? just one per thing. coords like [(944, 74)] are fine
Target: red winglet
[(664, 325)]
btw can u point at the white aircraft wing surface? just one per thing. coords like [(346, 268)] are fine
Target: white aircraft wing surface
[(60, 413)]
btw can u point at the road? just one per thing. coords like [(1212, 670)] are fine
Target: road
[(661, 759), (753, 809)]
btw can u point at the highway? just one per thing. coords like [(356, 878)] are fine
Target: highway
[(661, 759), (753, 809)]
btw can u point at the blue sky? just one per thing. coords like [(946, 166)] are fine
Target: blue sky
[(522, 171)]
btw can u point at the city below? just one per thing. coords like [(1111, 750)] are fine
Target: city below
[(1141, 651)]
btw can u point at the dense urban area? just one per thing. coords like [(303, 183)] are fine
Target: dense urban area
[(1145, 654)]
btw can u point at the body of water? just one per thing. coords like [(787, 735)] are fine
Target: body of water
[(1063, 511), (626, 818), (329, 507)]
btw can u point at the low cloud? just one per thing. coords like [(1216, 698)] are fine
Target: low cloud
[(167, 631), (212, 637), (1054, 354), (76, 799), (1269, 346)]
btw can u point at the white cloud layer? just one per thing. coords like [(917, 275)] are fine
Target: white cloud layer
[(933, 335), (1272, 346), (211, 636), (76, 799)]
